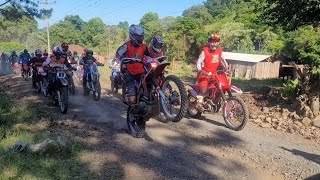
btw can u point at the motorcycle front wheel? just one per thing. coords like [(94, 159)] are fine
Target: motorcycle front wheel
[(235, 113), (64, 100), (136, 125), (72, 88), (175, 104), (97, 92)]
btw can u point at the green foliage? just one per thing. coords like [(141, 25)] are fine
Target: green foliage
[(151, 23), (16, 30), (290, 88), (292, 14), (8, 47), (64, 31), (199, 12), (76, 21), (16, 9), (306, 43), (236, 36)]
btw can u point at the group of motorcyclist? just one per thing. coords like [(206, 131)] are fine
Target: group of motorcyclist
[(209, 61)]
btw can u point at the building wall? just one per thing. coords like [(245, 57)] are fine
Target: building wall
[(266, 70), (249, 70)]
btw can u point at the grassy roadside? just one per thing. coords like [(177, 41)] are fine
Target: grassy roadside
[(28, 122)]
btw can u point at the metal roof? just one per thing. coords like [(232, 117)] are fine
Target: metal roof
[(254, 58)]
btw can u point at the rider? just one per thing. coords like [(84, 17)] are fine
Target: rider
[(155, 50), (88, 56), (135, 48), (66, 53), (84, 53), (209, 61), (45, 54), (24, 59), (53, 61), (36, 61), (13, 58)]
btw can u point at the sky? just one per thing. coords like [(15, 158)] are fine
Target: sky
[(114, 11)]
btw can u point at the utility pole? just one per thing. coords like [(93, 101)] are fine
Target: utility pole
[(109, 44), (46, 3)]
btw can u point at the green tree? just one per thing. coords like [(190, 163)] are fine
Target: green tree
[(236, 37), (199, 12), (292, 14), (76, 21), (64, 31), (92, 32), (18, 29), (151, 23), (15, 9)]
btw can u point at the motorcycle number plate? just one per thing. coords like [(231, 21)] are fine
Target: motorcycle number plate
[(61, 74)]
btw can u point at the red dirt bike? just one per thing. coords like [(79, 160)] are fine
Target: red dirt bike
[(15, 68), (154, 95), (25, 71), (235, 112), (41, 81)]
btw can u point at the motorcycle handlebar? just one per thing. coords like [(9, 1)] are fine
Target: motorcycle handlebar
[(130, 60), (161, 58)]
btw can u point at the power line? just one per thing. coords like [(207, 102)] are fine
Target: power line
[(123, 7), (55, 20)]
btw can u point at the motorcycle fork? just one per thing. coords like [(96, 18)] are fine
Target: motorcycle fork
[(225, 102)]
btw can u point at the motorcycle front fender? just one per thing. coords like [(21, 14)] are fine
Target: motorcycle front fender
[(236, 89), (64, 81)]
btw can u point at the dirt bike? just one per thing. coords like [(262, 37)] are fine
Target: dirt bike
[(115, 78), (41, 81), (15, 68), (59, 89), (154, 95), (92, 80), (80, 72), (72, 87), (25, 71), (234, 109)]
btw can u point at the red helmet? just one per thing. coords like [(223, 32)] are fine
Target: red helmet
[(85, 50), (214, 37)]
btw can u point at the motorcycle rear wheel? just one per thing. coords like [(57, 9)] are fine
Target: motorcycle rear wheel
[(230, 112)]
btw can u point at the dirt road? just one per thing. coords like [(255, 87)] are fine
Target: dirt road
[(190, 149)]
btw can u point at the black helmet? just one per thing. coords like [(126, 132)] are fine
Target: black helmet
[(89, 51), (25, 50), (57, 53)]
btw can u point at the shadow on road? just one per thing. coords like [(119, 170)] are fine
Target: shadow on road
[(309, 156)]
